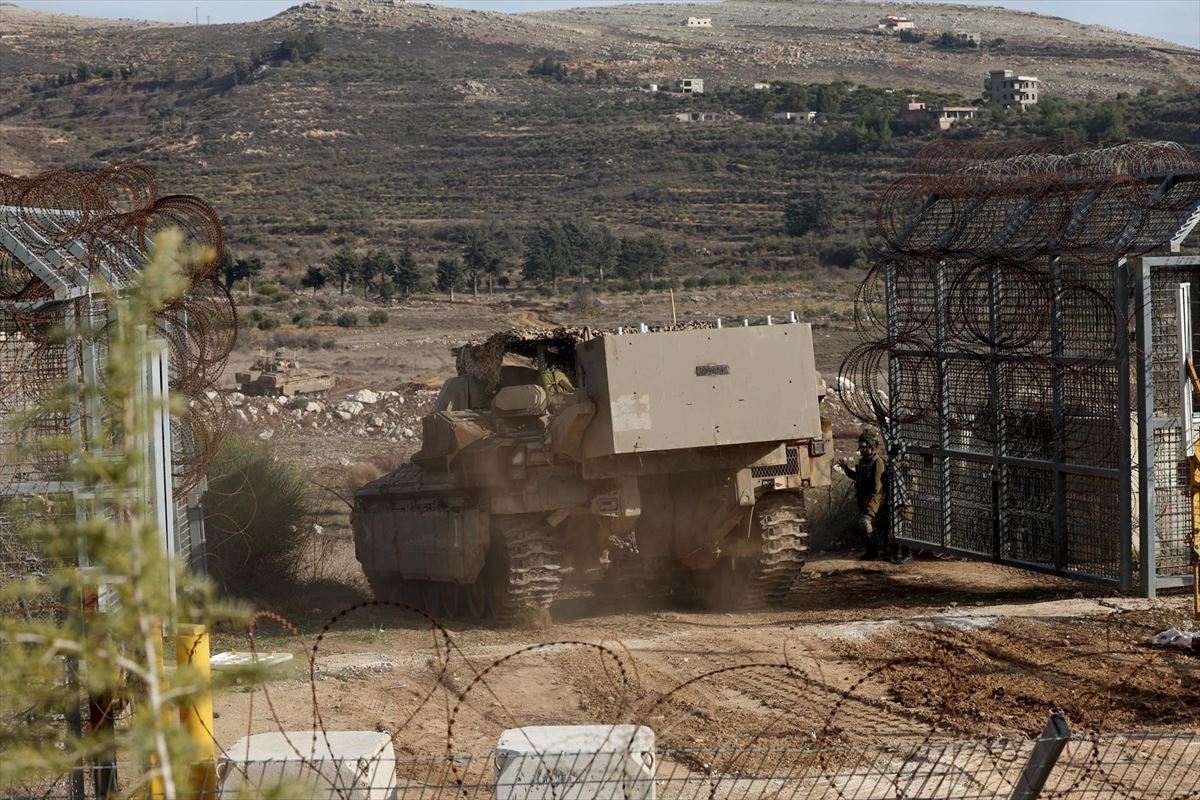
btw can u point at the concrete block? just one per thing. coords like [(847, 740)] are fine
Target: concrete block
[(576, 762), (336, 765)]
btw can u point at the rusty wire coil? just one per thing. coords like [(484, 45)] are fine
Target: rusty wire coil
[(995, 290), (94, 228)]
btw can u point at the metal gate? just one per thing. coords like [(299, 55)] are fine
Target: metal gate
[(1032, 421), (1169, 307), (1027, 458)]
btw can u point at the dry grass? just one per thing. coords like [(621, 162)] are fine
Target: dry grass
[(359, 475)]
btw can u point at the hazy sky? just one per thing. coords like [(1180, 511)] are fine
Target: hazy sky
[(1174, 20)]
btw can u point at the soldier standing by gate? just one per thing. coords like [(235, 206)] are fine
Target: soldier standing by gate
[(869, 489)]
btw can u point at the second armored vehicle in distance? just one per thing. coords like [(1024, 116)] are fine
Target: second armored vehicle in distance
[(277, 375)]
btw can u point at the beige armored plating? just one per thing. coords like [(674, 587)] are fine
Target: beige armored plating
[(670, 460)]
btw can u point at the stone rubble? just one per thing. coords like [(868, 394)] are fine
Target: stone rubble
[(392, 415)]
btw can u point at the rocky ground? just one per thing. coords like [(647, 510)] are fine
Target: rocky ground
[(384, 416)]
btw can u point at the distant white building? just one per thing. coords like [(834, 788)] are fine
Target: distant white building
[(794, 117), (696, 116), (966, 38), (894, 23), (699, 22), (1004, 88), (690, 85), (651, 87), (760, 86)]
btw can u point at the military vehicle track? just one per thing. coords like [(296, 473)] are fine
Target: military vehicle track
[(782, 526), (749, 583), (527, 569)]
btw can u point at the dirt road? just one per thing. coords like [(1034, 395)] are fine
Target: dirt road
[(859, 653)]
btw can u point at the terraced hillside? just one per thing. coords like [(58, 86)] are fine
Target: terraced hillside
[(415, 119)]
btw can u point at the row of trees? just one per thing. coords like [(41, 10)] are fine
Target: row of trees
[(376, 271), (590, 251), (551, 251)]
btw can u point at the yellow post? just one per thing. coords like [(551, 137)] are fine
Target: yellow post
[(1194, 486), (157, 791), (191, 649)]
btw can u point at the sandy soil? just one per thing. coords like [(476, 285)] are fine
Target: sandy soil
[(859, 653)]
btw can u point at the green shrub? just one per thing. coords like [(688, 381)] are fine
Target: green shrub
[(325, 318), (304, 323), (268, 324), (256, 511), (254, 317), (347, 319), (377, 317), (272, 292)]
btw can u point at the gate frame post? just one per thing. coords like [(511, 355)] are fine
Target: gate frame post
[(1145, 420)]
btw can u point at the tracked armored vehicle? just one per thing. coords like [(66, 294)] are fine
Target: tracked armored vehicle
[(675, 457), (279, 376)]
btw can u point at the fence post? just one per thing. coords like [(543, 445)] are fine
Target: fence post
[(191, 649), (1041, 762)]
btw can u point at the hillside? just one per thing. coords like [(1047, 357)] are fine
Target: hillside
[(413, 120)]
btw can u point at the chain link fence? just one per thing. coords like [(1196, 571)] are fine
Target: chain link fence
[(1116, 766)]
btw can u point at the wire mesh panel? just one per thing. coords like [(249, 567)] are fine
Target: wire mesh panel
[(923, 519), (1172, 517), (1134, 766), (1114, 766), (1092, 502), (63, 236), (1029, 504), (971, 507), (1172, 504)]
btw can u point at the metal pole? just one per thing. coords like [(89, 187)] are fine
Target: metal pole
[(191, 649), (1145, 421), (1124, 446), (1183, 305), (1042, 760), (674, 318)]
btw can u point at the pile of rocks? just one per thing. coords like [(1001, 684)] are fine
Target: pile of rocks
[(386, 415)]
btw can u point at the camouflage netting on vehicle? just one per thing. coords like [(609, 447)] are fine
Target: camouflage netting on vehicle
[(482, 359)]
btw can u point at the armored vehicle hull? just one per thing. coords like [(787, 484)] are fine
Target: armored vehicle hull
[(677, 458), (279, 377)]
